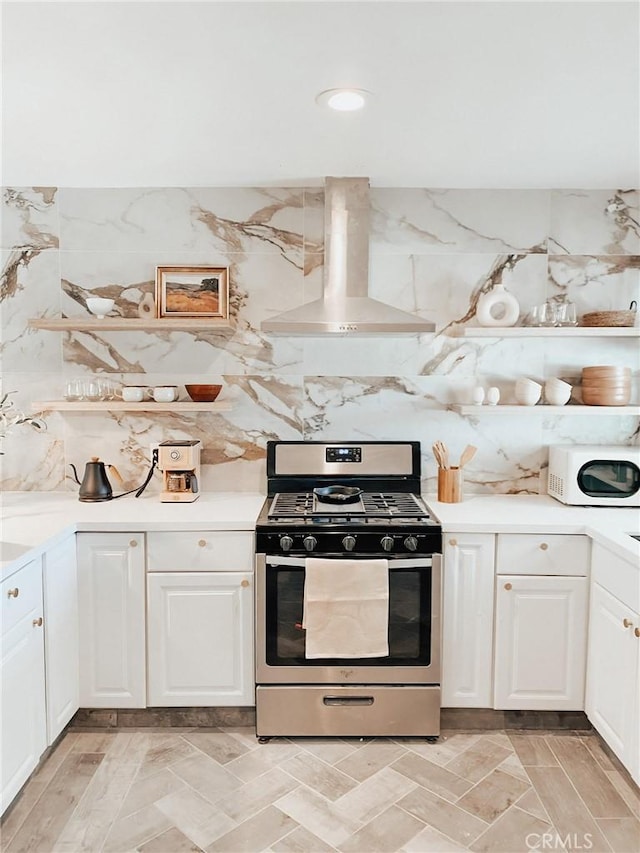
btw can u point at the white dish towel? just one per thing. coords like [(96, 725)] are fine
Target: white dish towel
[(346, 608)]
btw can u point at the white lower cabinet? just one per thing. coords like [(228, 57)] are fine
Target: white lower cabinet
[(24, 724), (542, 598), (61, 635), (200, 639), (200, 618), (111, 596), (613, 670), (467, 641), (540, 642)]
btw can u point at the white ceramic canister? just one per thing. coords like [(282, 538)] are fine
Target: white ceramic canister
[(498, 307)]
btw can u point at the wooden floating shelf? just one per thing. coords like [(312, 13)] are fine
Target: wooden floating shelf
[(543, 332), (132, 324), (119, 406), (543, 409)]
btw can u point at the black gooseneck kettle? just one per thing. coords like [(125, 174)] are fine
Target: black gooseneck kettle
[(95, 485)]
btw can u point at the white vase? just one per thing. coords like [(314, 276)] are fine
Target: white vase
[(498, 307), (477, 396), (493, 396)]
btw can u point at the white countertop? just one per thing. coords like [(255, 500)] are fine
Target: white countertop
[(541, 514), (33, 521)]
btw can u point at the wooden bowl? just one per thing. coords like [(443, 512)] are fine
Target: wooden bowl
[(203, 393), (611, 384), (609, 371), (605, 397)]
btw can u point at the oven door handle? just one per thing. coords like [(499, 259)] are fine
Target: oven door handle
[(396, 563)]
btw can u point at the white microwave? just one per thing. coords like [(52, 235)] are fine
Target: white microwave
[(594, 475)]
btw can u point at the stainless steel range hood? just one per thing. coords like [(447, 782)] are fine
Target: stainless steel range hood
[(345, 307)]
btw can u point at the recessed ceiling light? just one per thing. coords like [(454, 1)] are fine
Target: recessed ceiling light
[(344, 100)]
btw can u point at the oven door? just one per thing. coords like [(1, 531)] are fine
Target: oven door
[(414, 627)]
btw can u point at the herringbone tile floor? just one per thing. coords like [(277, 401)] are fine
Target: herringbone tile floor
[(171, 791)]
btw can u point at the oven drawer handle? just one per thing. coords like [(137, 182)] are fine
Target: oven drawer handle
[(347, 700)]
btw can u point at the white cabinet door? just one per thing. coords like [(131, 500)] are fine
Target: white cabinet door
[(467, 641), (111, 572), (200, 638), (613, 678), (61, 635), (24, 724), (541, 642)]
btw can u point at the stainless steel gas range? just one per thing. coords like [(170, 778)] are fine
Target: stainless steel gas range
[(343, 502)]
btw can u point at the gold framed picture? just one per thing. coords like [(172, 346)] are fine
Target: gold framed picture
[(192, 292)]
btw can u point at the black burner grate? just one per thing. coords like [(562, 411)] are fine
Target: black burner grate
[(373, 505), (391, 504)]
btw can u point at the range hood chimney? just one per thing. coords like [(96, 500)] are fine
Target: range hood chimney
[(345, 307)]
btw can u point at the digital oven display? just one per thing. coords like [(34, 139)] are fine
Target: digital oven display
[(344, 454)]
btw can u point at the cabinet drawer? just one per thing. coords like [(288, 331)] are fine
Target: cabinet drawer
[(541, 554), (21, 593), (200, 550), (619, 577)]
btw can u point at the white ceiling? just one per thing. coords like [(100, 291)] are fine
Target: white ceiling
[(467, 94)]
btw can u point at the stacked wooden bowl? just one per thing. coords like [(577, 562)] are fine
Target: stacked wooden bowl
[(606, 385)]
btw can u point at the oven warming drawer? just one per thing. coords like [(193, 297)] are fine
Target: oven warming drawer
[(348, 711)]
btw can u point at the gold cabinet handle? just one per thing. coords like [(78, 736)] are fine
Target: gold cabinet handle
[(453, 542), (627, 623), (13, 593), (508, 586), (636, 631), (37, 623), (244, 583), (202, 542), (133, 543), (543, 546)]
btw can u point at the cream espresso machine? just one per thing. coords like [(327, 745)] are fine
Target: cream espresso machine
[(179, 462)]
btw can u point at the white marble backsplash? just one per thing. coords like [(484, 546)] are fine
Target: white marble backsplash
[(433, 252)]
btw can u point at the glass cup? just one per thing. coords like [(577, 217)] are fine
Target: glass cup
[(108, 389), (73, 390), (548, 314), (531, 319), (566, 314), (93, 390)]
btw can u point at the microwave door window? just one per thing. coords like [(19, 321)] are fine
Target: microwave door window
[(608, 478)]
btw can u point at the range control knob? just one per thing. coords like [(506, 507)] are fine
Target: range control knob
[(286, 542), (411, 543), (387, 543), (349, 543), (309, 542)]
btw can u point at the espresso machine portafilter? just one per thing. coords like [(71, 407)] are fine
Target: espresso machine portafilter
[(179, 462)]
